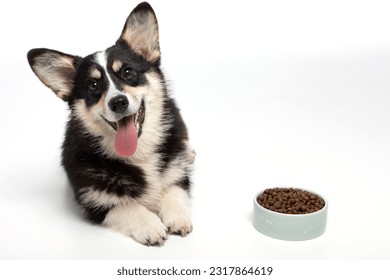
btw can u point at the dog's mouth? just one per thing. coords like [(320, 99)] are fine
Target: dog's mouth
[(138, 119), (128, 130)]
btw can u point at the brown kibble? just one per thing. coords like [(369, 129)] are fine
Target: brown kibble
[(290, 201)]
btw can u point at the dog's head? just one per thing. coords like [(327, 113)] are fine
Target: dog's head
[(107, 90)]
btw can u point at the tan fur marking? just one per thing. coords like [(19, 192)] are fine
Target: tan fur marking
[(56, 72), (117, 65), (95, 73), (91, 118), (131, 90)]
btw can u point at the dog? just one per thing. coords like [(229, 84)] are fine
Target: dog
[(126, 150)]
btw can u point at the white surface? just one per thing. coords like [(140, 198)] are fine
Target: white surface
[(275, 93)]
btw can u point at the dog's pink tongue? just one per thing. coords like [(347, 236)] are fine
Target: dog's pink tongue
[(126, 138)]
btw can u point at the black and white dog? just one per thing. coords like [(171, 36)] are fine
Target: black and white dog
[(126, 150)]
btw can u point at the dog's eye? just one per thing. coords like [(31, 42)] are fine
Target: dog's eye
[(128, 73), (93, 86)]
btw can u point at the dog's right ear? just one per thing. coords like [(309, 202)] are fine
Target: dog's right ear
[(55, 69)]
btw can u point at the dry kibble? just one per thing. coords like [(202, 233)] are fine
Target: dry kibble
[(290, 201)]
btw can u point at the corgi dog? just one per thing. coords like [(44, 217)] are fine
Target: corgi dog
[(126, 150)]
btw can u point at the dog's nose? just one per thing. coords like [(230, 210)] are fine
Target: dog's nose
[(118, 104)]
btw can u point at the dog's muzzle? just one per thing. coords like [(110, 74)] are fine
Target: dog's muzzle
[(119, 104), (128, 128)]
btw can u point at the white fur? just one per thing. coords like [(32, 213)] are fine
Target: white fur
[(175, 211), (133, 219), (102, 198)]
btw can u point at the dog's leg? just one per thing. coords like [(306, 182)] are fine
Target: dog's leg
[(175, 211), (134, 219)]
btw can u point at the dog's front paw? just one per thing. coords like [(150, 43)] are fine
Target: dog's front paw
[(138, 222), (175, 211), (149, 230), (178, 223)]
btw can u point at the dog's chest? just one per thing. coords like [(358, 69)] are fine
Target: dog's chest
[(158, 181), (154, 182)]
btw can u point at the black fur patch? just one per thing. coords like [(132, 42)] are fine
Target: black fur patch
[(173, 144), (185, 182), (95, 214), (88, 170), (83, 80)]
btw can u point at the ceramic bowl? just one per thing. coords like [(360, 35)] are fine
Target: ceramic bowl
[(294, 227)]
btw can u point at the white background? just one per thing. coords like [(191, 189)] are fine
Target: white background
[(274, 93)]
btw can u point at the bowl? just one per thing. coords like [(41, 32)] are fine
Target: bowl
[(293, 227)]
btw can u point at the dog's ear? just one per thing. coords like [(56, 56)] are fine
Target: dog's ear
[(140, 32), (55, 69)]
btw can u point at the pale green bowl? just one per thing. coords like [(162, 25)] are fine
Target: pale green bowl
[(294, 227)]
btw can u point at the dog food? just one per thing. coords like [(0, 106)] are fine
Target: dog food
[(290, 201)]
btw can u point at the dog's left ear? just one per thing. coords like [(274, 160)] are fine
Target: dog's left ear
[(140, 32)]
